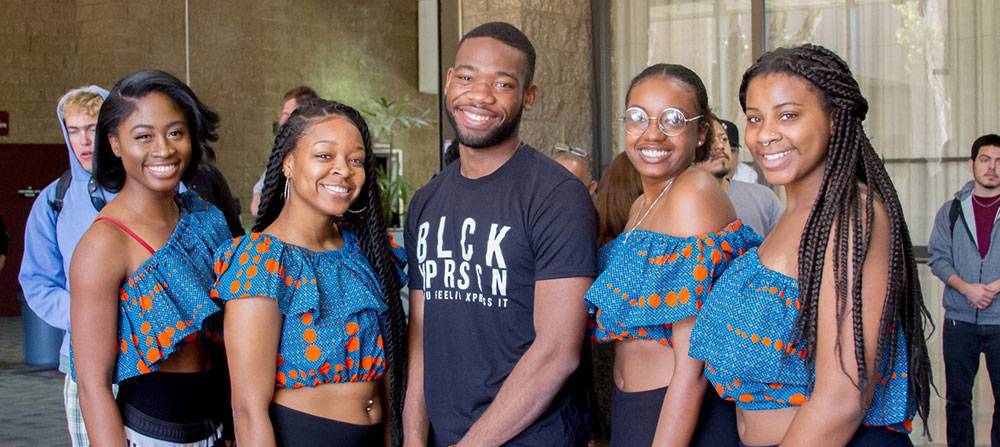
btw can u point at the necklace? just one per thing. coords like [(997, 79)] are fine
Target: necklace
[(986, 205), (651, 205)]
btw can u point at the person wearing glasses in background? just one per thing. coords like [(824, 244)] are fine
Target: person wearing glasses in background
[(681, 234), (62, 212), (577, 162)]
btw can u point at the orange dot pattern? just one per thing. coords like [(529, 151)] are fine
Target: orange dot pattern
[(167, 302), (331, 302), (746, 336), (653, 280)]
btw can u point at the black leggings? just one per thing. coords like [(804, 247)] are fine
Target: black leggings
[(295, 428), (634, 417), (871, 437)]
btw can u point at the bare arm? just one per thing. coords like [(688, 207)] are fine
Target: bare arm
[(679, 413), (252, 328), (836, 407), (94, 324), (560, 321), (415, 423), (696, 195)]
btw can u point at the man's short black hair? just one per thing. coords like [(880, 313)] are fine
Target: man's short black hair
[(732, 132), (991, 139), (511, 36)]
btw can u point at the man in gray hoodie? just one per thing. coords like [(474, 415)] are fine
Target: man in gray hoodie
[(965, 255)]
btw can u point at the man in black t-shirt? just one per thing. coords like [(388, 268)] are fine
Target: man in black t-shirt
[(501, 247)]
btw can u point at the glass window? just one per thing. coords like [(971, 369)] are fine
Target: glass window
[(930, 70)]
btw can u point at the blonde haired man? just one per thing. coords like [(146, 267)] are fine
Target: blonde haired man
[(59, 216)]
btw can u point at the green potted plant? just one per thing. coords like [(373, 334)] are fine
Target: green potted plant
[(385, 117), (396, 193)]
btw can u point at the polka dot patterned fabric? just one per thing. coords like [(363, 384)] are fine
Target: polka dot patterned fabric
[(165, 303), (652, 280), (331, 301), (746, 336)]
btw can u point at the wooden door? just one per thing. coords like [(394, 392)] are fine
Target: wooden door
[(23, 167)]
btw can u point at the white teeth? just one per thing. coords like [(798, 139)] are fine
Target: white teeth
[(650, 153), (778, 156), (335, 189), (476, 117), (162, 169)]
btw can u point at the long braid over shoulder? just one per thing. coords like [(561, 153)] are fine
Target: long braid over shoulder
[(368, 224), (851, 162)]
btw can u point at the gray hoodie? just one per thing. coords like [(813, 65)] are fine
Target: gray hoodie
[(956, 252)]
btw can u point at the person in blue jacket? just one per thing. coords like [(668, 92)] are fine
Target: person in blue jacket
[(59, 217)]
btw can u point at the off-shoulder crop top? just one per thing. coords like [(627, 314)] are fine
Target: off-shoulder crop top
[(165, 303), (745, 334), (331, 300), (649, 280)]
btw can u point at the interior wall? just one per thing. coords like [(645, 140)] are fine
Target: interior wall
[(243, 55)]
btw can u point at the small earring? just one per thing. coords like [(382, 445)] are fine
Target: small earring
[(358, 211), (284, 194), (701, 142)]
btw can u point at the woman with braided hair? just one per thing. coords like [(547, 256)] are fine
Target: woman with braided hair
[(818, 335), (315, 286)]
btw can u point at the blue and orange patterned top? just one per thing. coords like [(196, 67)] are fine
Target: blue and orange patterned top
[(745, 334), (331, 300), (165, 303), (652, 280)]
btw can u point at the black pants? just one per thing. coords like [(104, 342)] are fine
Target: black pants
[(295, 428), (871, 437), (634, 417), (963, 342)]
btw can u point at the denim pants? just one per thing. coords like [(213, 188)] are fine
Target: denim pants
[(963, 342)]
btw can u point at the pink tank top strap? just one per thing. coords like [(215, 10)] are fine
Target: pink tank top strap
[(128, 231)]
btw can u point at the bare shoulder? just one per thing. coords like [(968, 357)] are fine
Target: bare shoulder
[(101, 245), (696, 181), (695, 205)]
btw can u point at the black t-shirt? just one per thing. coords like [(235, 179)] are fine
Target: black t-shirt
[(476, 248), (4, 240)]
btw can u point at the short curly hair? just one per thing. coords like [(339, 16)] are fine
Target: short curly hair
[(82, 101)]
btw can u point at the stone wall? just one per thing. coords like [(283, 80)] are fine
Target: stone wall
[(243, 57), (560, 32)]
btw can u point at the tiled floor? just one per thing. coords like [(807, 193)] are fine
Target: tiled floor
[(31, 406)]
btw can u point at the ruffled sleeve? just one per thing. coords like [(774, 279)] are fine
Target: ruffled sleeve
[(256, 265), (652, 280), (332, 302), (165, 303), (300, 280), (750, 356)]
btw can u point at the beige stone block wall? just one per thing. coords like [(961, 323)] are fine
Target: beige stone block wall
[(243, 55), (561, 34)]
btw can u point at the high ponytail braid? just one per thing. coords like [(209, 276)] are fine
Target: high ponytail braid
[(838, 208)]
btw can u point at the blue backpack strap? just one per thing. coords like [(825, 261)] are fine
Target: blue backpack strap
[(62, 185)]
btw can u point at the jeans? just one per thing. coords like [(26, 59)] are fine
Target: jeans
[(963, 342)]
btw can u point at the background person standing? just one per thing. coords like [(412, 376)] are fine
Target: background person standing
[(961, 256)]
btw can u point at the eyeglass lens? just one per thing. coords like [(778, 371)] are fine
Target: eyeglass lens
[(671, 121)]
